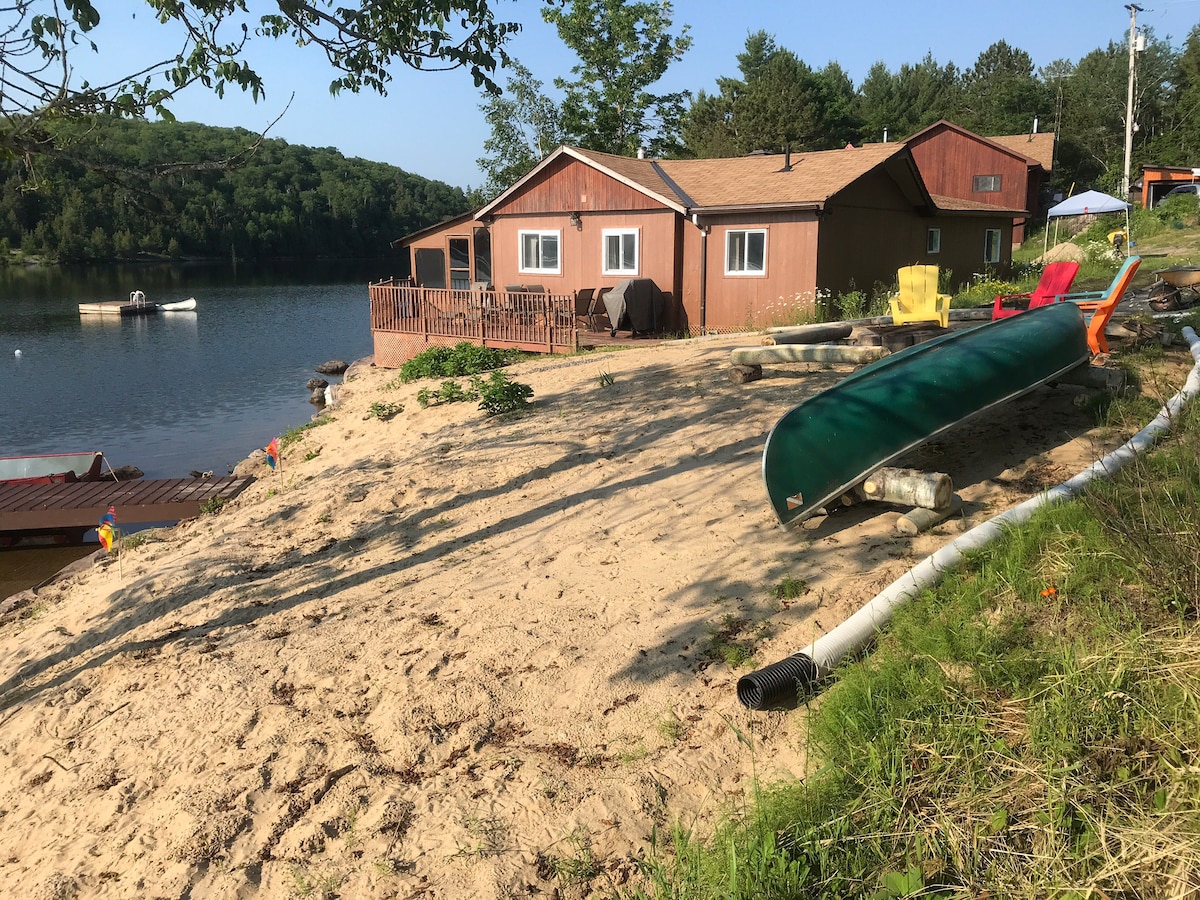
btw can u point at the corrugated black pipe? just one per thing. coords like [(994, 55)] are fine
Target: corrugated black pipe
[(779, 685)]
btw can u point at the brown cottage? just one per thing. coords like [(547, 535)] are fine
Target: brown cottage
[(731, 243), (1006, 171)]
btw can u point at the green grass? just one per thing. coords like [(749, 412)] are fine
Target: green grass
[(292, 435), (1028, 728)]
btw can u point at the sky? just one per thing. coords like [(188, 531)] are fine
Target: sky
[(431, 124)]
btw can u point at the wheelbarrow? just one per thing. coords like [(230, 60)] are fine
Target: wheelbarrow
[(1175, 288)]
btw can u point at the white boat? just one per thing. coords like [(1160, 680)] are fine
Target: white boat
[(51, 468), (181, 306)]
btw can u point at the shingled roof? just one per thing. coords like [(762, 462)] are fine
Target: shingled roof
[(1038, 147), (744, 182)]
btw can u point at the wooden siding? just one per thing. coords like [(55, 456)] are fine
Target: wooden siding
[(581, 251), (569, 185), (949, 161), (734, 302)]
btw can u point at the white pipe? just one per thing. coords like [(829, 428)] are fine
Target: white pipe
[(780, 684)]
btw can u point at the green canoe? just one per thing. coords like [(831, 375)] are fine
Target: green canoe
[(834, 440)]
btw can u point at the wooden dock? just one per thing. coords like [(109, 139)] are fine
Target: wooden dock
[(41, 508), (117, 308)]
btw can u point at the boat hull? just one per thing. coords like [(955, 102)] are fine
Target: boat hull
[(831, 442), (181, 306), (51, 468)]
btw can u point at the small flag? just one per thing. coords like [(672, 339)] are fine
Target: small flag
[(273, 453), (107, 530)]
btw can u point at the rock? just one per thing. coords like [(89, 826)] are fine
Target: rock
[(333, 367), (317, 397), (317, 383), (127, 473)]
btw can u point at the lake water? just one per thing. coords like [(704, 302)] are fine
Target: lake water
[(173, 392)]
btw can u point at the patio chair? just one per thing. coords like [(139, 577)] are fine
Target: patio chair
[(918, 299), (1098, 306), (584, 298), (1056, 279)]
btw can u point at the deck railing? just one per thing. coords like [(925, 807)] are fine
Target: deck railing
[(526, 321)]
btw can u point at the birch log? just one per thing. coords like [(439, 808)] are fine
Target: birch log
[(918, 520), (909, 487), (795, 353)]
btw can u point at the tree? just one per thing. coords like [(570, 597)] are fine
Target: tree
[(526, 125), (779, 101), (624, 49), (1001, 95), (361, 42), (903, 103)]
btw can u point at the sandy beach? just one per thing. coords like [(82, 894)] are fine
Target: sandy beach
[(446, 656)]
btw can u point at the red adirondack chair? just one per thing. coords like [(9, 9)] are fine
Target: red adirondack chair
[(1056, 279)]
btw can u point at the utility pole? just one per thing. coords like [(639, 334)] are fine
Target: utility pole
[(1134, 9)]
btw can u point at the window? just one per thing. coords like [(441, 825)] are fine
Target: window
[(933, 241), (460, 263), (986, 184), (620, 251), (991, 245), (539, 252), (746, 252), (431, 267), (483, 255)]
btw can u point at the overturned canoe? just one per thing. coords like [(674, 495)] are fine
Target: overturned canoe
[(834, 440)]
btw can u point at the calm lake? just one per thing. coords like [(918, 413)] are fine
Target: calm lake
[(173, 392)]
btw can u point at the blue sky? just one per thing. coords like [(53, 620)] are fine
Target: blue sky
[(430, 122)]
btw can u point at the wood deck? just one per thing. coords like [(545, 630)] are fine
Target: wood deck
[(41, 507)]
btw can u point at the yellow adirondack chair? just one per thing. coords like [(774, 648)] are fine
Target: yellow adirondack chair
[(918, 300)]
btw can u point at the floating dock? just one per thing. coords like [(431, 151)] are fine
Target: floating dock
[(117, 308), (29, 509)]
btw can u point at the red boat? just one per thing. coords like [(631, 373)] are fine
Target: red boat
[(52, 468)]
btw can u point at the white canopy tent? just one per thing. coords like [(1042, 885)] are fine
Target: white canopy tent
[(1087, 203)]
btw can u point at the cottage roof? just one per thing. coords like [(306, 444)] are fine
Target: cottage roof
[(451, 222), (956, 205), (1038, 147), (744, 182)]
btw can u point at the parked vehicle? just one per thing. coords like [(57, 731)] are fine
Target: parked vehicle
[(1192, 189)]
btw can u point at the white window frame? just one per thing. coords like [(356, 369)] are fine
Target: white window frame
[(933, 241), (991, 245), (986, 184), (541, 233), (635, 233), (744, 272)]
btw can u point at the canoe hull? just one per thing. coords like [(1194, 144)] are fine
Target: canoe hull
[(832, 441)]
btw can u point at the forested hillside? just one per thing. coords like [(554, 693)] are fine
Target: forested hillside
[(281, 200)]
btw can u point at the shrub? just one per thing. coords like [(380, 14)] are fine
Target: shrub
[(449, 392), (464, 358), (384, 411), (499, 394)]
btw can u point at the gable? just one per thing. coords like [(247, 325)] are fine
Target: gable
[(568, 185)]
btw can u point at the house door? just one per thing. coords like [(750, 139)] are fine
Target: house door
[(460, 263)]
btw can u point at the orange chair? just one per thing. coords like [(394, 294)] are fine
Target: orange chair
[(1056, 279), (1098, 306)]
